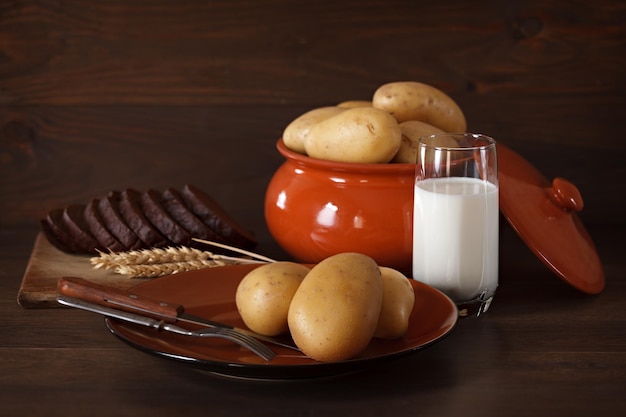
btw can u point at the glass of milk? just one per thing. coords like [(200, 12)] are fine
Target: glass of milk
[(456, 218)]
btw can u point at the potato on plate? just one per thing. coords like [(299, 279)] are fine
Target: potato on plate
[(335, 311), (398, 301), (263, 296)]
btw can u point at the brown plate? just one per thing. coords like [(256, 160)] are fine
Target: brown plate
[(210, 293)]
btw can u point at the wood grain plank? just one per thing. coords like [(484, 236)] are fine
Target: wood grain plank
[(47, 265), (274, 52), (558, 384)]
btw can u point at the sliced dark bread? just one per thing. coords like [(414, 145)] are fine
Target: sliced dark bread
[(74, 219), (98, 229), (175, 206), (216, 218), (57, 232), (131, 211), (157, 214), (114, 222), (133, 220), (52, 237)]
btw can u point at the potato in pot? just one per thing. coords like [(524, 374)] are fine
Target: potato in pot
[(348, 104), (296, 132), (411, 100), (412, 131), (360, 134)]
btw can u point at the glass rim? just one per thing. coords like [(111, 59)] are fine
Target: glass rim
[(490, 142)]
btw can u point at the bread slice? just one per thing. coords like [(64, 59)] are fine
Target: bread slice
[(52, 237), (57, 232), (74, 220), (130, 209), (114, 222), (216, 218), (152, 207), (98, 229), (175, 206)]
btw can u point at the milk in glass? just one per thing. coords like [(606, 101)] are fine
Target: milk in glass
[(457, 252)]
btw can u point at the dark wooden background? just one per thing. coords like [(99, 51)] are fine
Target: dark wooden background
[(86, 86), (97, 95)]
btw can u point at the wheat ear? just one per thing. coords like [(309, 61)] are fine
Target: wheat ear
[(149, 256), (169, 268)]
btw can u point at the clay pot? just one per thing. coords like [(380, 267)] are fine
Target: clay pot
[(315, 209)]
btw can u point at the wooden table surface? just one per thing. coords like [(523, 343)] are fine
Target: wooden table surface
[(97, 96)]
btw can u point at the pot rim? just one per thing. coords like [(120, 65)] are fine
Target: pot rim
[(388, 168)]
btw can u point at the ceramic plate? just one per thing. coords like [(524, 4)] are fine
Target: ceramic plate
[(210, 293)]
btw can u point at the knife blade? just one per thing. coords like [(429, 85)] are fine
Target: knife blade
[(83, 289)]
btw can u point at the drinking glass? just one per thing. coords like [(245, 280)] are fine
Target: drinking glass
[(456, 218)]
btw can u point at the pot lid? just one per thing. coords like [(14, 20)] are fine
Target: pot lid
[(545, 216)]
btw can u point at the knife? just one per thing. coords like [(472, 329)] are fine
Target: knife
[(134, 303), (257, 347)]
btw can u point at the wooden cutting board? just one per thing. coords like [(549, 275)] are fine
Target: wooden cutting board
[(47, 264)]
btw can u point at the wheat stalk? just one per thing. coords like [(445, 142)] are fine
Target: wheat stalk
[(234, 249), (157, 262)]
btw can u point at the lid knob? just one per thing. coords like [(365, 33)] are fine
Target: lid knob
[(565, 195)]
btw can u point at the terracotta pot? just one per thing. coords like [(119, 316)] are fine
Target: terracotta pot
[(315, 209)]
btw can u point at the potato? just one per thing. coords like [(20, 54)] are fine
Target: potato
[(359, 134), (398, 301), (411, 132), (296, 131), (411, 100), (355, 103), (263, 296), (334, 313)]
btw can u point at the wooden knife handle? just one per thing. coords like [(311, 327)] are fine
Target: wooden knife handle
[(119, 299)]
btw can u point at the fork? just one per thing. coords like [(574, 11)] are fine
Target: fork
[(241, 339)]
